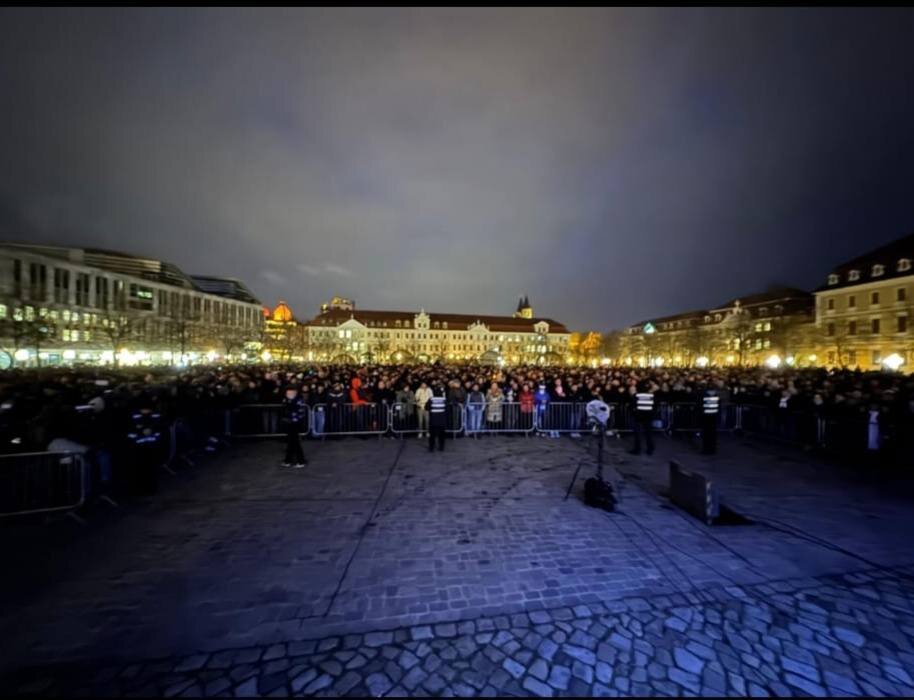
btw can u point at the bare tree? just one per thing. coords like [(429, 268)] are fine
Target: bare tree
[(29, 334), (738, 330), (232, 339), (182, 329), (697, 343), (118, 329)]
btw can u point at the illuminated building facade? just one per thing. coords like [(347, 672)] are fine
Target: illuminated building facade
[(62, 305), (343, 333), (864, 309), (772, 327)]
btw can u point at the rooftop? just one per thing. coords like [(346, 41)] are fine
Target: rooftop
[(454, 321), (891, 257)]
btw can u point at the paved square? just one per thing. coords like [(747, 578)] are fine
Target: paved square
[(383, 569)]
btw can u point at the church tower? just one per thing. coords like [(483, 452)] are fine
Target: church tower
[(524, 310)]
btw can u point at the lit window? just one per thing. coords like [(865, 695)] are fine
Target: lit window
[(878, 270), (2, 310), (767, 325), (853, 275)]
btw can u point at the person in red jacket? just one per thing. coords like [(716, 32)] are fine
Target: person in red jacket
[(526, 407), (358, 403)]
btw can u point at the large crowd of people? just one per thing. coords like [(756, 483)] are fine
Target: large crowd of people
[(111, 412)]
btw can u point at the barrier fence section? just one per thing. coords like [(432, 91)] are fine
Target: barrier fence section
[(354, 419), (41, 482), (622, 418), (410, 418), (500, 417), (798, 427), (563, 417), (840, 435), (263, 420), (689, 417), (850, 437)]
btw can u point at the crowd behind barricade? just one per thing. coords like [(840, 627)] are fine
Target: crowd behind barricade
[(127, 421)]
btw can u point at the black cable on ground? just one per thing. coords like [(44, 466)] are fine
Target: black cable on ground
[(647, 531), (362, 531), (690, 555), (647, 556), (800, 534), (573, 479)]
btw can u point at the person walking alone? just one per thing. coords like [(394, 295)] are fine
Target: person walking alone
[(293, 410)]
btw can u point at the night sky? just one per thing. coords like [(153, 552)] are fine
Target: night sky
[(612, 164)]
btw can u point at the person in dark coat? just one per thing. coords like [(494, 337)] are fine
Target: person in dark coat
[(293, 408), (642, 402), (437, 418)]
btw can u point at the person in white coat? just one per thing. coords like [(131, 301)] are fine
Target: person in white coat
[(423, 395)]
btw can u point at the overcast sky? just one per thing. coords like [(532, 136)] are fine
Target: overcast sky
[(612, 164)]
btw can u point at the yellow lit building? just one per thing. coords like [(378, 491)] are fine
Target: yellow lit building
[(774, 326), (864, 309), (343, 333)]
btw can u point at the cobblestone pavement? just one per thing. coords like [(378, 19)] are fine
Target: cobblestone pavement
[(381, 569)]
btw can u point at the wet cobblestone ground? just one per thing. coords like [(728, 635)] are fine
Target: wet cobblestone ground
[(383, 570)]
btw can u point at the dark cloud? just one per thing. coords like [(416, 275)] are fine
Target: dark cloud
[(613, 164)]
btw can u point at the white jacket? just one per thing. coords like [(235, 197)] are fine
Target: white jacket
[(422, 397)]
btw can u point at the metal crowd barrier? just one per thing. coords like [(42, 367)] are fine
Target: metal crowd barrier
[(354, 419), (404, 419), (847, 436), (262, 420), (687, 417), (563, 417), (622, 419), (506, 417), (42, 482), (798, 427)]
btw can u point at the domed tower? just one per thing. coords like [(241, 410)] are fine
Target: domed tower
[(282, 313), (524, 310)]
